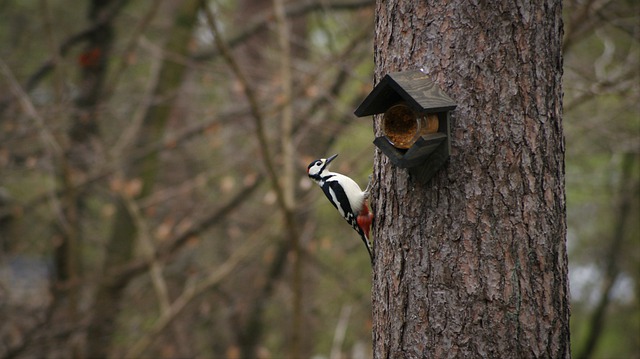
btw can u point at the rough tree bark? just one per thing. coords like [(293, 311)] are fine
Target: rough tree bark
[(474, 264)]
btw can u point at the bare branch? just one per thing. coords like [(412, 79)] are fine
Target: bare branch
[(192, 291), (288, 176), (341, 330), (46, 68), (166, 252), (28, 107), (130, 47), (149, 253), (292, 10), (258, 118), (50, 143)]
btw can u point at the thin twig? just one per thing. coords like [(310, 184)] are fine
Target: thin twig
[(258, 117), (136, 34), (50, 143), (164, 253), (173, 140), (74, 40), (149, 253), (288, 176), (292, 10), (28, 107), (339, 334), (192, 291)]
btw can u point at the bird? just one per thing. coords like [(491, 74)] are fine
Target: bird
[(346, 196)]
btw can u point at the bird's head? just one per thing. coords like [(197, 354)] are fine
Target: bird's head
[(315, 168)]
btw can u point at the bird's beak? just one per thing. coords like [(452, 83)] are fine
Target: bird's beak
[(330, 159)]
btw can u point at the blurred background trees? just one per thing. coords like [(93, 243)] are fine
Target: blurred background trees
[(153, 195)]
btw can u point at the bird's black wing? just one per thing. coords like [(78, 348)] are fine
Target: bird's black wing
[(334, 191)]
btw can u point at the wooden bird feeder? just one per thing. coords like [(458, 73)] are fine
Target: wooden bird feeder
[(416, 122)]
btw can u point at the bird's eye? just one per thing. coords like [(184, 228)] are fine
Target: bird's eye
[(318, 163)]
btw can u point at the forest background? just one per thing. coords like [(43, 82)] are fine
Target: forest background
[(153, 187)]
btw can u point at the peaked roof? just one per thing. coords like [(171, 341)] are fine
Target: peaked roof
[(414, 87)]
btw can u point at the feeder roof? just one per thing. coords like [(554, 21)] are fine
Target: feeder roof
[(413, 87)]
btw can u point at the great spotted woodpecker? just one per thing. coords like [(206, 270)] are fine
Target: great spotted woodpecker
[(345, 194)]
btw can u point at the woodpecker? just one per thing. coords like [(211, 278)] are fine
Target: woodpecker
[(346, 196)]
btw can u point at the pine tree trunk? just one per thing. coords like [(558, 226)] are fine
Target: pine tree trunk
[(474, 263)]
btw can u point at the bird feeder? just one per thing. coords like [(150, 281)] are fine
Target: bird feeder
[(415, 123)]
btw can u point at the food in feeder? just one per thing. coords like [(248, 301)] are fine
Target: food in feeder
[(430, 124), (400, 125)]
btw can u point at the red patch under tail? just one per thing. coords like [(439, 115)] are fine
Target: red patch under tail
[(364, 219)]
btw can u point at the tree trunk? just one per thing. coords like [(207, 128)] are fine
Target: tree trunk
[(79, 157), (474, 264), (628, 192), (121, 244)]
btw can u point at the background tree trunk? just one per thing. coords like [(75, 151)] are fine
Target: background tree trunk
[(80, 155), (121, 244), (474, 263)]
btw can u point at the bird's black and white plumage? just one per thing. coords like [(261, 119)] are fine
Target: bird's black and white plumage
[(345, 194)]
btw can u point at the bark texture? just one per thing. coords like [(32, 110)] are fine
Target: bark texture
[(474, 263)]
